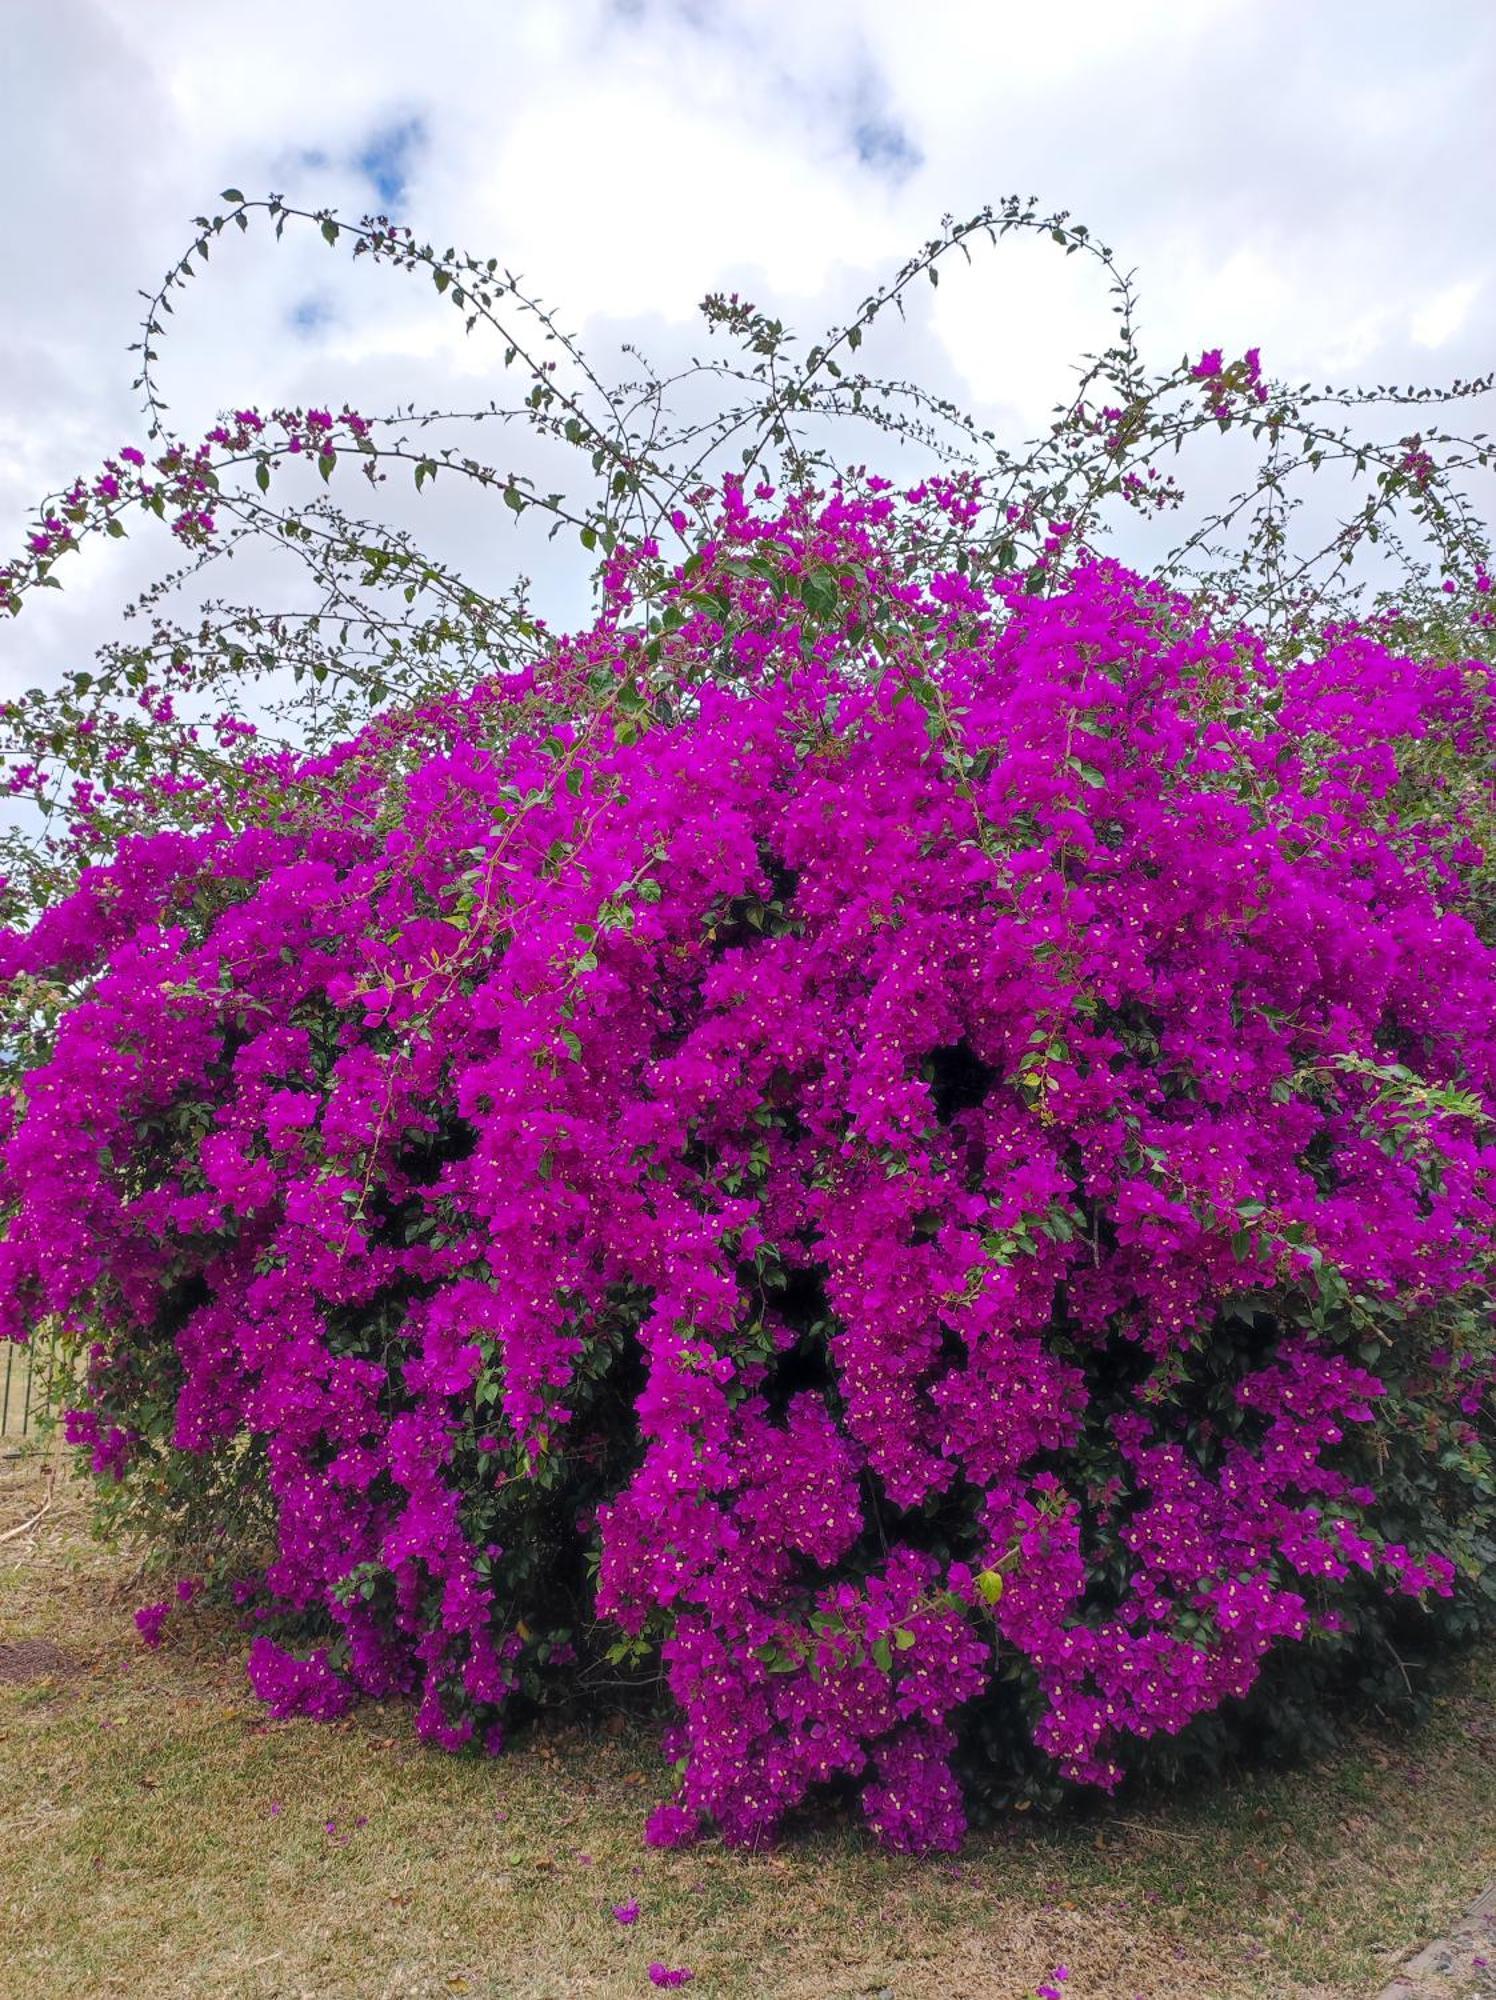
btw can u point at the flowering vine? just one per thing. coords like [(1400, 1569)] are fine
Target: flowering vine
[(878, 1138)]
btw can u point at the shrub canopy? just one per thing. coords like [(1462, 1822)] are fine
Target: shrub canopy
[(912, 1153)]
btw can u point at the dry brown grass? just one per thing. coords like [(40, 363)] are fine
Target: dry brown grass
[(162, 1838), (22, 1383)]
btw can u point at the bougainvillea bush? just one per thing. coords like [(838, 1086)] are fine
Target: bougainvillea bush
[(912, 1156)]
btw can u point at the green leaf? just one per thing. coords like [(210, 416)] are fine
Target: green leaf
[(1087, 773), (989, 1585), (820, 595), (230, 194)]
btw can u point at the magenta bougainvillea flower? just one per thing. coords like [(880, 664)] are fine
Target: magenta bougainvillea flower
[(886, 1138), (150, 1622)]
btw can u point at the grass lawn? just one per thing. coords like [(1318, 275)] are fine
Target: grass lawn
[(160, 1836)]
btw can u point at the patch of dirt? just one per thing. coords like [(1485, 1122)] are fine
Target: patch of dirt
[(34, 1660), (1461, 1966)]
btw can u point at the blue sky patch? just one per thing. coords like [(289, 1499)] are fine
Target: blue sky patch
[(885, 146), (310, 315), (387, 160)]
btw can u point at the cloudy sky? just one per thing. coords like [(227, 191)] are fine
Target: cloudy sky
[(1309, 176)]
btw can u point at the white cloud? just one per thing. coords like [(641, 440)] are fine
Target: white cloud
[(1441, 319), (1309, 181)]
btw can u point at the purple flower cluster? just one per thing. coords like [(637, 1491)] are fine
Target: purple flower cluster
[(879, 1124), (179, 484), (1242, 378), (150, 1621)]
